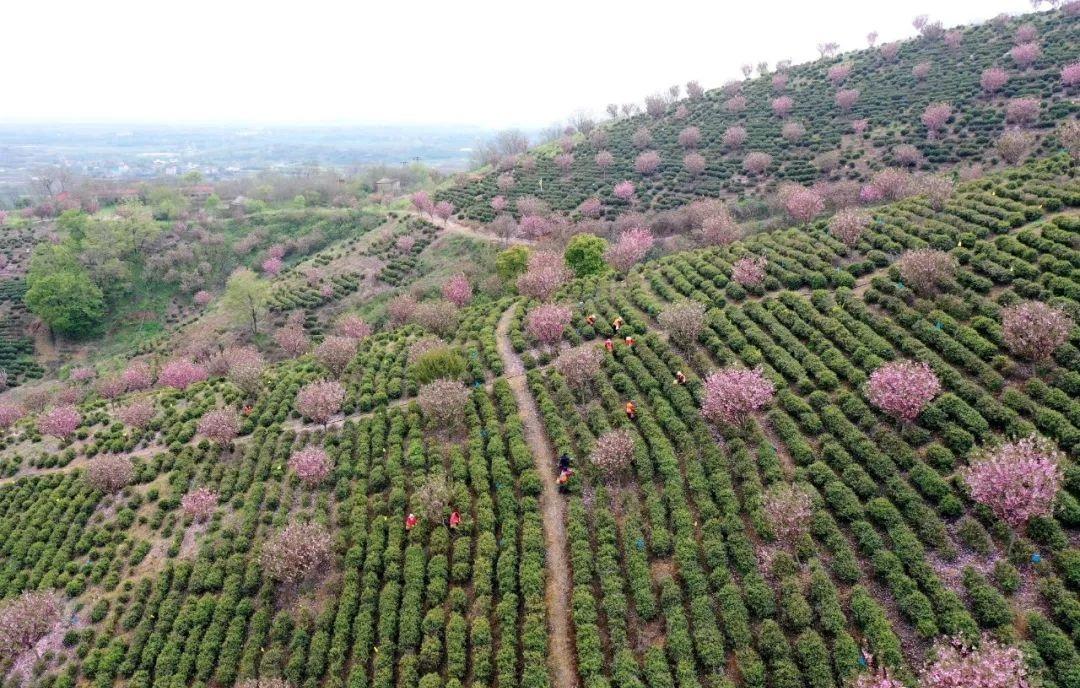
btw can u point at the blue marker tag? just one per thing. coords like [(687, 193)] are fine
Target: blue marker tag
[(1036, 558)]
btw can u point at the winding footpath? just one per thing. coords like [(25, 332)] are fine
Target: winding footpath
[(552, 509)]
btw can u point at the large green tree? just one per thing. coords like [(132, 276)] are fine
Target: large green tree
[(512, 262), (585, 254), (245, 297), (68, 301)]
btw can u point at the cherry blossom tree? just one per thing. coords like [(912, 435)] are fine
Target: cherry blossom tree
[(311, 464), (1070, 75), (749, 271), (858, 126), (632, 246), (690, 137), (26, 619), (272, 266), (296, 552), (546, 272), (457, 290), (735, 136), (1022, 110), (792, 131), (181, 373), (276, 251), (925, 270), (849, 224), (443, 402), (935, 116), (694, 163), (505, 181), (401, 309), (10, 414), (613, 453), (535, 226), (202, 297), (547, 322), (937, 188), (109, 473), (954, 39), (846, 98), (779, 81), (59, 421), (718, 228), (788, 509), (443, 210), (921, 71), (839, 72), (1014, 144), (756, 162), (580, 365), (1034, 330), (82, 374), (957, 664), (220, 426), (137, 377), (1068, 133), (647, 163), (199, 504), (902, 388), (245, 367), (624, 190), (604, 159), (110, 387), (422, 202), (292, 339), (802, 203), (498, 204), (319, 401), (907, 154), (782, 105), (992, 79), (684, 321), (353, 327), (336, 353), (1018, 480), (590, 207), (731, 394), (1025, 54), (438, 316)]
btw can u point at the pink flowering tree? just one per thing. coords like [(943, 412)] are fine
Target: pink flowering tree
[(181, 373), (613, 453), (1034, 330), (624, 190), (292, 339), (925, 270), (684, 321), (443, 402), (858, 126), (803, 204), (438, 316), (311, 464), (846, 98), (202, 297), (957, 664), (632, 246), (457, 290), (788, 509), (547, 322), (319, 401), (546, 272), (109, 473), (220, 426), (690, 137), (921, 71), (1022, 110), (405, 242), (26, 619), (199, 504), (498, 204), (353, 327), (336, 353), (719, 228), (749, 271), (1070, 75), (400, 309), (756, 162), (443, 210), (992, 79), (694, 164), (422, 202), (296, 552), (590, 207), (82, 374), (647, 163), (731, 394), (1014, 144), (1018, 480), (937, 188), (580, 365), (902, 389), (1025, 54), (137, 377), (792, 131), (59, 421), (10, 414), (848, 225), (935, 116), (782, 105), (838, 73), (735, 136)]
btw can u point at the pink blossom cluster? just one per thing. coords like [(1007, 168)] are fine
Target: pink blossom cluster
[(353, 327), (199, 503), (735, 136), (336, 353), (803, 203), (443, 402), (792, 131), (756, 162), (1018, 480), (849, 224), (846, 98), (297, 551), (292, 339), (736, 103), (498, 203), (181, 373), (839, 72), (422, 202), (647, 162), (690, 137), (1034, 330), (400, 309), (993, 78), (782, 105), (546, 272), (443, 210), (457, 290), (438, 316), (926, 269), (272, 266), (921, 71), (604, 159), (731, 394), (903, 388), (59, 421), (319, 401), (10, 414), (613, 452), (27, 619), (590, 207), (220, 425), (749, 271), (632, 246), (788, 508), (935, 116), (624, 190), (990, 665), (136, 377), (1022, 110), (579, 365), (684, 321), (694, 163), (1025, 54), (1070, 74), (109, 473), (311, 465), (547, 322), (137, 414)]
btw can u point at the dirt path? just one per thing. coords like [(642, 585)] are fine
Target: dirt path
[(452, 227), (552, 508)]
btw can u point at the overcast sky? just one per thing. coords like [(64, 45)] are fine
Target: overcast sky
[(498, 64)]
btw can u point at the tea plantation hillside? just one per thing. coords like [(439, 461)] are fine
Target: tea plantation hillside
[(838, 119)]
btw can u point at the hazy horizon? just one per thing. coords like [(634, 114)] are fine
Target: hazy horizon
[(480, 64)]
